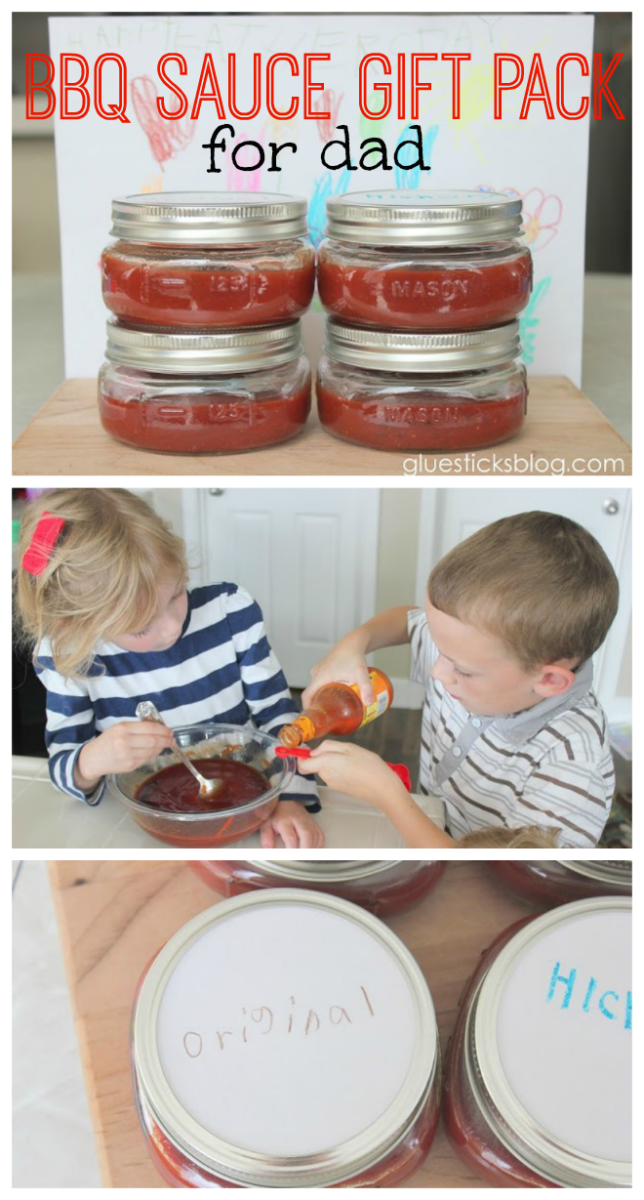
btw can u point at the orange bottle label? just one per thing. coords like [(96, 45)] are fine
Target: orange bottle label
[(382, 697)]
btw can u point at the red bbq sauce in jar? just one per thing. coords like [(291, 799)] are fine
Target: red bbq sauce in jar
[(204, 393), (538, 1072), (285, 1039), (381, 887), (549, 882), (421, 391), (208, 260), (424, 260)]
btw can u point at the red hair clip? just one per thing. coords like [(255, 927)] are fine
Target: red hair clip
[(43, 540)]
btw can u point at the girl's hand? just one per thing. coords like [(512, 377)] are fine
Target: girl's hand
[(357, 772), (122, 747), (296, 827), (345, 663)]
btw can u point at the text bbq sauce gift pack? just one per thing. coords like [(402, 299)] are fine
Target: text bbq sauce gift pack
[(538, 1077), (285, 1039)]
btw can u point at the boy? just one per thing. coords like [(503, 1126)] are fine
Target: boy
[(512, 733)]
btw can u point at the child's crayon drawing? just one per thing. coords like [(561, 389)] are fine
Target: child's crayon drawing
[(324, 187), (529, 323), (165, 138), (328, 102)]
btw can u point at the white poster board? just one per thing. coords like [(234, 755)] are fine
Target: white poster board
[(544, 161)]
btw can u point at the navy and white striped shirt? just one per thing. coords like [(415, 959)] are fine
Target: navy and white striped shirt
[(221, 666)]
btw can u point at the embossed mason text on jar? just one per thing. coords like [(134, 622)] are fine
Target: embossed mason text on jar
[(424, 260), (204, 393), (208, 260), (422, 391), (285, 1039)]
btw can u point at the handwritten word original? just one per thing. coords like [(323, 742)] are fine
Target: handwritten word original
[(293, 1020)]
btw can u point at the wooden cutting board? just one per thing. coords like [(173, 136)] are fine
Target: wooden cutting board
[(114, 916), (66, 438)]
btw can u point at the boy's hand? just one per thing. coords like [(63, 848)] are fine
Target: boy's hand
[(348, 768), (296, 827), (122, 747), (345, 663)]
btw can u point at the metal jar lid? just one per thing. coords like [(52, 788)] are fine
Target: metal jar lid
[(221, 353), (191, 1114), (517, 1128), (422, 218), (325, 872), (208, 218), (615, 871), (420, 353)]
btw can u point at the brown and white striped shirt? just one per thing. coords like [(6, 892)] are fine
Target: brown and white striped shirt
[(550, 765)]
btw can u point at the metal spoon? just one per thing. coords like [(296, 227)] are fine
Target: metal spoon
[(146, 711)]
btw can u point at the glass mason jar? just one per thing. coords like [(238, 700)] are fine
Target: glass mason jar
[(538, 1073), (207, 260), (285, 1039), (548, 883), (424, 260), (381, 887), (204, 393), (422, 391)]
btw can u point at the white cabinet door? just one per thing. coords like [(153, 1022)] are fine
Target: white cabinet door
[(448, 515), (307, 555)]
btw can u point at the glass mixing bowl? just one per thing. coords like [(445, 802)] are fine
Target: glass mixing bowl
[(239, 743)]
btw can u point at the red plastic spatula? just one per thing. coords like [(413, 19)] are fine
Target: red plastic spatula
[(398, 769)]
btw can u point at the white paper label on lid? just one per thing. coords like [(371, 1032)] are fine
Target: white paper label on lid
[(286, 1029), (564, 1033)]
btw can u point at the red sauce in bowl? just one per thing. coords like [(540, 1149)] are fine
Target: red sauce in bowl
[(175, 790)]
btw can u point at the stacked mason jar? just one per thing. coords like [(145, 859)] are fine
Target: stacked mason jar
[(204, 351), (423, 291)]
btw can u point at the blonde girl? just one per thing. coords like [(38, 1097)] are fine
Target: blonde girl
[(102, 594)]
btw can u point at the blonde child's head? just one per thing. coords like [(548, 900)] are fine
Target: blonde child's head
[(529, 837), (102, 576)]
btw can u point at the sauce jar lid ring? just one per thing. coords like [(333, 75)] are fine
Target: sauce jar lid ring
[(208, 218), (242, 1161), (423, 218), (325, 871), (615, 871), (230, 351), (434, 353), (538, 1146)]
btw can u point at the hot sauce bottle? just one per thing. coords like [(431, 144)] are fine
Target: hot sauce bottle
[(338, 708)]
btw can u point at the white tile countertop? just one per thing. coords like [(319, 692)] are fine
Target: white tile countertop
[(43, 818)]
